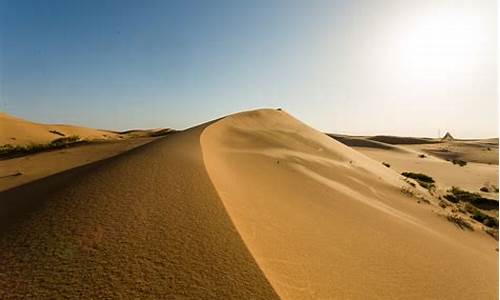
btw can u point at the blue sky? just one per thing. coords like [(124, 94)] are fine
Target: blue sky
[(359, 67)]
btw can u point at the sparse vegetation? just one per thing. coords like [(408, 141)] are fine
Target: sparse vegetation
[(460, 222), (422, 156), (57, 132), (485, 219), (422, 179), (484, 189), (443, 204), (458, 195), (407, 192), (386, 164), (492, 232), (459, 162), (10, 151)]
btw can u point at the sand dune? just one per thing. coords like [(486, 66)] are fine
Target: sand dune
[(21, 170), (397, 140), (15, 131), (144, 224), (255, 205), (363, 142), (324, 222)]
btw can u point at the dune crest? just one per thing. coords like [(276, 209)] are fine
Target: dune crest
[(324, 221)]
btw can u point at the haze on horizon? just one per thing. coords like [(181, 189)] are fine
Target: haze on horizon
[(356, 67)]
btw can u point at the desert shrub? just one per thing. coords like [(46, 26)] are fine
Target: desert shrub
[(386, 164), (484, 189), (451, 198), (11, 151), (460, 222), (443, 204), (459, 162), (57, 132), (422, 156), (418, 176), (485, 219), (65, 140), (407, 192), (492, 232), (424, 200), (422, 179), (475, 199)]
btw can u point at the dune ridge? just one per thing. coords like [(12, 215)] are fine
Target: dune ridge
[(145, 224), (325, 222), (255, 205)]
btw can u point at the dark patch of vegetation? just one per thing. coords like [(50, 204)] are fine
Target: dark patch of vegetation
[(410, 183), (57, 132), (493, 233), (443, 204), (422, 179), (7, 151), (459, 162), (422, 156), (484, 189), (65, 140), (460, 222), (418, 176), (459, 195), (386, 164), (485, 219), (451, 198), (424, 200)]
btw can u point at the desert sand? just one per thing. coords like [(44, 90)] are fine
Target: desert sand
[(21, 170), (256, 205), (16, 131), (404, 155), (324, 221)]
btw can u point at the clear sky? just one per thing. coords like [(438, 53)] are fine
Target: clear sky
[(358, 67)]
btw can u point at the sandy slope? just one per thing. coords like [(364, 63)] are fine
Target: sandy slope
[(325, 222), (146, 224), (252, 206), (15, 131), (471, 177), (21, 170)]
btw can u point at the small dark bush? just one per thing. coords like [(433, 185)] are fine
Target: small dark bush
[(422, 179), (443, 204), (475, 199), (407, 192), (451, 198), (65, 140), (485, 219), (484, 189), (493, 233), (422, 156), (386, 164), (460, 222), (57, 132), (418, 176), (12, 151), (459, 162)]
